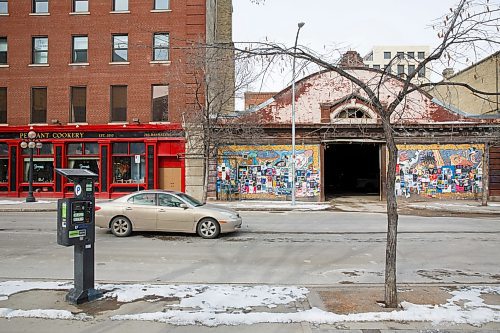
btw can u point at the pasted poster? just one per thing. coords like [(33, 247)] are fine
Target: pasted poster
[(266, 171), (434, 170)]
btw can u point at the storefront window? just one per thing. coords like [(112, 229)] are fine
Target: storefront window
[(43, 164), (84, 156), (129, 162), (4, 162)]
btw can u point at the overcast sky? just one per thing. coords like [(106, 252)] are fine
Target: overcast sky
[(352, 24)]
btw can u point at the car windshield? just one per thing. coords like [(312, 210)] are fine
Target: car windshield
[(190, 200)]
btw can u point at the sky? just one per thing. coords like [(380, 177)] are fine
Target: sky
[(355, 24)]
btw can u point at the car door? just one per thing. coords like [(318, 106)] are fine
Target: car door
[(141, 210), (172, 217)]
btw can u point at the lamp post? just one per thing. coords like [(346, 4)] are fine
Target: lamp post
[(300, 25), (31, 143)]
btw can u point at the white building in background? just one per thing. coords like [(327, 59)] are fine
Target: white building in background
[(405, 59)]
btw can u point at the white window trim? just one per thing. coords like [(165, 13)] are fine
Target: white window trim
[(120, 12), (79, 13), (39, 14), (120, 63), (38, 65), (4, 66), (164, 62), (78, 124), (78, 64), (159, 122), (160, 10)]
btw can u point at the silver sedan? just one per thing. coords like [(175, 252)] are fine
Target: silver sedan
[(158, 210)]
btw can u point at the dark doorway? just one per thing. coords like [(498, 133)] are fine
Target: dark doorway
[(352, 169)]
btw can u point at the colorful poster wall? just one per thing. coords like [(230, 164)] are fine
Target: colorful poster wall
[(439, 170), (265, 171)]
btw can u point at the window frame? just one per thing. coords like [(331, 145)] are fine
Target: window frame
[(6, 52), (165, 115), (113, 113), (387, 55), (421, 72), (155, 5), (410, 54), (74, 50), (35, 9), (33, 119), (400, 55), (421, 55), (401, 69), (3, 106), (161, 48), (6, 6), (120, 10), (114, 49), (72, 112), (36, 52), (411, 69), (39, 155), (121, 158), (75, 5)]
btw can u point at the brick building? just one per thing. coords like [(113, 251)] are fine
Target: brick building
[(104, 84)]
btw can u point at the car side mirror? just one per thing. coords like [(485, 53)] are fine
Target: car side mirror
[(183, 205)]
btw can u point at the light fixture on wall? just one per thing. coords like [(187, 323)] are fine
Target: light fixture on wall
[(55, 122), (136, 120)]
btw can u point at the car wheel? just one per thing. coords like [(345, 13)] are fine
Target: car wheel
[(120, 226), (208, 228)]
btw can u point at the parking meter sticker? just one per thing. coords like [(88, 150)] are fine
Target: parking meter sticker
[(77, 233)]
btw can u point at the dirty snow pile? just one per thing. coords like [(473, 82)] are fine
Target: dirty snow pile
[(213, 305)]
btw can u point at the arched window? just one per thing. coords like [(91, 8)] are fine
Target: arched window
[(353, 113)]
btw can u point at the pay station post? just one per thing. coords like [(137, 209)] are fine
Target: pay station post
[(76, 227)]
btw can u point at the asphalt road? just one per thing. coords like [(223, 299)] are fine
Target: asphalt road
[(298, 248)]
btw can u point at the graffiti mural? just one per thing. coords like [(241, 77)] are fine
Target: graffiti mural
[(434, 170), (266, 171)]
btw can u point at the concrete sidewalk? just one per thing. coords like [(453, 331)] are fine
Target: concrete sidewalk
[(366, 204), (354, 308)]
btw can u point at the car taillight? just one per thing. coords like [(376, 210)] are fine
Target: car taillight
[(97, 208)]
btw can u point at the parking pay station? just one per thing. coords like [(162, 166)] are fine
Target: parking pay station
[(76, 227)]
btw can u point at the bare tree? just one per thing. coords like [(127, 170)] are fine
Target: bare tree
[(470, 28)]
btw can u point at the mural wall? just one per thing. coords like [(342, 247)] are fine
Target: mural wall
[(439, 170), (264, 172)]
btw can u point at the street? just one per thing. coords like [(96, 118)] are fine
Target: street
[(290, 248)]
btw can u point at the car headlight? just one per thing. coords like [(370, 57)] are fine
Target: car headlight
[(230, 215)]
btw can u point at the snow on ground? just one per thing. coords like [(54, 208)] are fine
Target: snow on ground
[(213, 305)]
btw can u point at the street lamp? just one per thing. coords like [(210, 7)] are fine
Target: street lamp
[(31, 143), (300, 25)]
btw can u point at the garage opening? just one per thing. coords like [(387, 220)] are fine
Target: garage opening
[(352, 169)]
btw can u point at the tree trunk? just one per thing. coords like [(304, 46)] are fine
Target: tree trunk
[(391, 297), (206, 171)]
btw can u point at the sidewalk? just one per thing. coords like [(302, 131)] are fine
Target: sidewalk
[(40, 306), (366, 204)]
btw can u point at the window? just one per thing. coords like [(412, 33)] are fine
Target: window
[(161, 46), (39, 105), (43, 163), (411, 55), (421, 72), (125, 168), (40, 6), (118, 103), (3, 105), (80, 48), (161, 4), (120, 48), (40, 50), (148, 199), (4, 6), (160, 102), (120, 5), (376, 66), (411, 69), (4, 162), (421, 55), (84, 156), (80, 6), (401, 69), (352, 113), (78, 112), (387, 69), (400, 55), (167, 200), (387, 55), (3, 50)]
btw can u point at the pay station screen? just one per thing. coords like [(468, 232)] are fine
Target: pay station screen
[(80, 212)]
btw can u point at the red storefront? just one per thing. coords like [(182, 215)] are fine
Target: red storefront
[(126, 158)]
